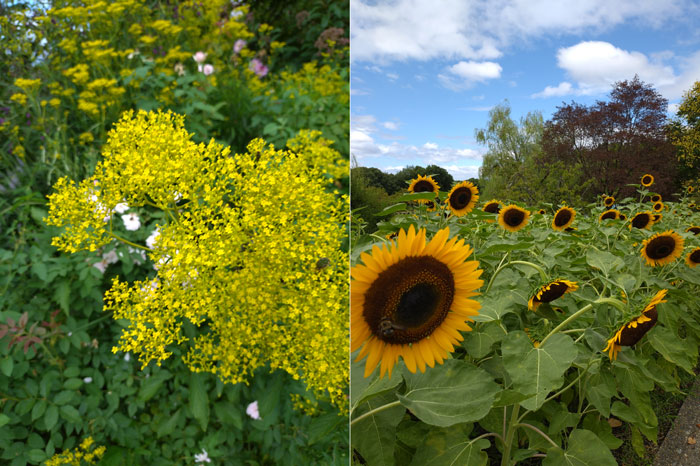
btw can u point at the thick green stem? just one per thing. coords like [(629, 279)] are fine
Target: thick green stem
[(530, 426), (374, 411), (618, 304), (126, 241), (508, 443), (543, 274)]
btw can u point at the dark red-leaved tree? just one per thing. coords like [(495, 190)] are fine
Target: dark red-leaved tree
[(616, 142)]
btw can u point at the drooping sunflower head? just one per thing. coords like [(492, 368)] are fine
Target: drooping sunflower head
[(694, 230), (693, 257), (513, 218), (462, 198), (411, 300), (662, 248), (690, 190), (611, 214), (658, 207), (623, 217), (608, 201), (563, 218), (642, 220), (657, 218), (633, 331), (423, 184), (647, 180), (551, 291), (492, 207), (432, 206)]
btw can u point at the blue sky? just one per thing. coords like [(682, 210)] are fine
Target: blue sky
[(424, 74)]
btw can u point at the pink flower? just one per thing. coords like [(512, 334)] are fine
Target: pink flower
[(208, 69), (199, 57), (257, 67), (238, 46)]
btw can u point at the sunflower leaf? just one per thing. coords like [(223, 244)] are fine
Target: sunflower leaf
[(362, 389), (478, 343), (424, 196), (584, 449), (448, 394), (673, 349), (603, 261), (538, 370), (375, 435), (391, 209), (495, 308), (451, 446)]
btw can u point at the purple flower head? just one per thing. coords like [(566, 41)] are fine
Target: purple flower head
[(257, 67), (238, 46)]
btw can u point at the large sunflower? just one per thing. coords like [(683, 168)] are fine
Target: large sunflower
[(424, 184), (611, 214), (563, 218), (551, 291), (633, 331), (662, 248), (647, 180), (693, 257), (608, 201), (642, 220), (513, 218), (411, 300), (462, 198)]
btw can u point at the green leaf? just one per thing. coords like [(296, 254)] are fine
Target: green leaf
[(50, 417), (450, 393), (599, 390), (325, 424), (638, 442), (4, 419), (70, 414), (391, 209), (168, 425), (6, 366), (375, 435), (199, 399), (36, 455), (673, 349), (451, 446), (39, 269), (62, 295), (479, 341), (39, 409), (539, 370), (584, 449), (494, 308), (72, 384), (151, 386), (426, 196), (603, 261), (363, 388)]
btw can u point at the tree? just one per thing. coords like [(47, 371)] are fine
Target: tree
[(614, 142), (440, 175), (377, 178), (684, 133)]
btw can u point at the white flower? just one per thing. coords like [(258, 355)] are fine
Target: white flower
[(132, 54), (127, 357), (151, 240), (202, 457), (252, 410), (131, 222), (110, 257), (121, 207), (87, 379), (101, 265), (199, 57), (179, 68), (208, 69), (137, 255), (238, 45)]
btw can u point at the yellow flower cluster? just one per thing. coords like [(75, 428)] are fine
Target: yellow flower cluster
[(28, 85), (81, 455), (318, 153), (251, 255)]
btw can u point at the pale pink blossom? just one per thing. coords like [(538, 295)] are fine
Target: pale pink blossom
[(252, 410), (199, 57), (257, 67), (239, 45), (208, 69)]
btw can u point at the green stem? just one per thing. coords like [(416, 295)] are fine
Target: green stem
[(119, 238), (96, 321), (530, 426), (507, 444), (581, 374), (374, 411), (543, 274), (618, 304)]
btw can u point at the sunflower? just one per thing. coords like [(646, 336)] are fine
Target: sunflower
[(662, 248), (691, 205), (658, 207), (411, 300), (694, 230), (432, 207), (492, 207), (608, 201), (541, 212), (393, 235), (424, 184), (647, 180), (690, 190), (657, 218), (563, 218), (693, 257), (633, 331), (642, 220), (513, 218), (462, 199), (551, 291), (656, 198), (623, 217), (611, 214)]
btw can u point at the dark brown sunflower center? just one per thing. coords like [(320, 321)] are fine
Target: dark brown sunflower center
[(609, 201), (608, 214), (660, 247), (631, 335), (562, 218), (460, 198), (513, 217), (695, 256), (646, 179), (641, 220), (423, 186), (409, 300), (655, 198), (492, 208), (556, 290), (658, 206), (694, 230)]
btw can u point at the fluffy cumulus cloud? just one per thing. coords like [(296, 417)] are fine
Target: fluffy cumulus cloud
[(480, 30), (595, 66), (466, 73)]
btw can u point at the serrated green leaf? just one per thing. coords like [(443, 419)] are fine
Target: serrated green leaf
[(451, 393), (62, 295), (168, 425), (70, 414), (479, 341), (603, 261), (538, 370)]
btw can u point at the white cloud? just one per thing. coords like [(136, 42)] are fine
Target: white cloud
[(476, 71), (390, 125), (672, 109), (430, 146), (595, 66), (401, 30), (392, 76)]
